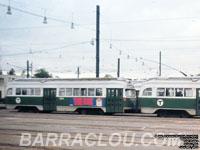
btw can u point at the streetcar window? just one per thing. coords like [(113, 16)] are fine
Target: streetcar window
[(120, 92), (188, 92), (24, 91), (68, 91), (147, 92), (116, 94), (169, 92), (112, 93), (62, 92), (30, 91), (160, 91), (37, 91), (83, 92), (76, 91), (179, 92), (18, 91), (99, 92), (130, 93), (108, 93), (91, 92), (9, 91)]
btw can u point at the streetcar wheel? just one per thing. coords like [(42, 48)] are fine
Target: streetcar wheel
[(184, 115), (83, 111), (101, 112), (162, 113)]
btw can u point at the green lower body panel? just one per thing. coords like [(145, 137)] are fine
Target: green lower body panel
[(151, 105)]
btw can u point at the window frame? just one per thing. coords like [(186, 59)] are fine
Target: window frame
[(78, 92), (20, 93), (133, 93), (84, 90), (169, 92), (35, 92), (93, 91), (101, 91), (31, 91), (12, 91), (159, 92), (176, 92), (62, 91), (71, 93), (148, 92), (184, 94)]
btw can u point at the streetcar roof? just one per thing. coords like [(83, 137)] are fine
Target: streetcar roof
[(172, 81), (73, 82)]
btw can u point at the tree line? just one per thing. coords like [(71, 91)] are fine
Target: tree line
[(40, 73)]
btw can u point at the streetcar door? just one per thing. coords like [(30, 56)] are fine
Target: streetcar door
[(198, 102), (49, 99), (114, 100)]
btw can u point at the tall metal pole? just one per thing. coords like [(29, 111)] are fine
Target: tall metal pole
[(78, 72), (118, 68), (97, 40), (27, 69), (31, 67), (160, 63)]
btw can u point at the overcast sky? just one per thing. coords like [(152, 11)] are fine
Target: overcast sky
[(137, 28)]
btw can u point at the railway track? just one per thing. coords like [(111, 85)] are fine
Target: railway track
[(13, 124)]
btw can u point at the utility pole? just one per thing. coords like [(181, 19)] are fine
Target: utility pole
[(78, 72), (27, 69), (118, 68), (1, 72), (31, 68), (97, 39), (160, 63)]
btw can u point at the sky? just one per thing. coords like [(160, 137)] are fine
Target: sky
[(133, 30)]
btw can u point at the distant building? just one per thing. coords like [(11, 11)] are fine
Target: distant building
[(4, 79)]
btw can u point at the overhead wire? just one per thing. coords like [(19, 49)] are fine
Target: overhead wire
[(44, 50), (42, 16)]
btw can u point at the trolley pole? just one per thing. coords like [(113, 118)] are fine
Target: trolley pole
[(27, 69), (160, 64), (118, 68), (97, 39)]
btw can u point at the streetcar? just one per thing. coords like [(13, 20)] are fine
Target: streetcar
[(89, 95), (170, 96)]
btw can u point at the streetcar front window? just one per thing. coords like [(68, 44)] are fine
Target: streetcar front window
[(9, 91), (130, 93)]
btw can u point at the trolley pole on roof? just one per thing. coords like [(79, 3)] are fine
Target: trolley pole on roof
[(97, 40), (27, 69), (118, 68), (160, 63)]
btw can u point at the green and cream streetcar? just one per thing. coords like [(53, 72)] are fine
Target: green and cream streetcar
[(81, 95), (170, 96)]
